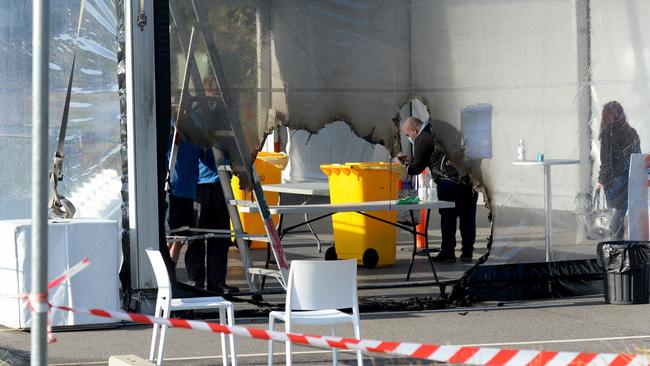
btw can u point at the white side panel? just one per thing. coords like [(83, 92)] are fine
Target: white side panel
[(69, 243), (637, 198)]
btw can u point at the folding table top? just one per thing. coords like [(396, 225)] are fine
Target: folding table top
[(326, 208)]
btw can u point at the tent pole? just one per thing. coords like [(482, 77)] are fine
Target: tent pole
[(142, 145), (40, 96), (584, 104)]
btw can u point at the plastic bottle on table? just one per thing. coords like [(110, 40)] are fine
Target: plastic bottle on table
[(433, 190), (422, 187), (521, 150)]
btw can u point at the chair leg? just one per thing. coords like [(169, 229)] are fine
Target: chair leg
[(161, 344), (270, 357), (287, 344), (357, 335), (334, 353), (231, 322), (154, 335), (224, 348)]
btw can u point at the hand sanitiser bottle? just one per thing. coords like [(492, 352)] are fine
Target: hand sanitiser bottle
[(521, 150)]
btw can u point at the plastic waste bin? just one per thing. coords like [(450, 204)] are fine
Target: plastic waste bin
[(371, 242), (626, 271), (269, 166)]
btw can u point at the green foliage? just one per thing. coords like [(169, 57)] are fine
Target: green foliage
[(234, 31)]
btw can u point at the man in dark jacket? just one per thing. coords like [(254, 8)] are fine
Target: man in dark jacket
[(452, 186)]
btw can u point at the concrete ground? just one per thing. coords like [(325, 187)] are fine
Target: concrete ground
[(568, 325)]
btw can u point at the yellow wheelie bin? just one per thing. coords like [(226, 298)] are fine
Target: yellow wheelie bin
[(269, 167), (369, 241)]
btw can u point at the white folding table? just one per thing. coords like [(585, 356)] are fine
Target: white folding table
[(362, 208), (547, 195), (307, 190)]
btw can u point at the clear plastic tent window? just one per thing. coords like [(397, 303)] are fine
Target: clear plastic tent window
[(545, 69), (491, 74), (92, 165)]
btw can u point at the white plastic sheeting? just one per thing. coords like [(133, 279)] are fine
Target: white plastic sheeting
[(545, 67), (341, 61), (93, 135)]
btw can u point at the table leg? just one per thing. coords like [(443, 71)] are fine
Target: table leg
[(426, 245), (311, 229), (318, 243), (547, 211), (415, 245)]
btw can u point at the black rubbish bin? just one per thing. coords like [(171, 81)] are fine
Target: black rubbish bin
[(626, 271)]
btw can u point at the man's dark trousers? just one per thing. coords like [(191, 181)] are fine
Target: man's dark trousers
[(465, 198), (211, 213)]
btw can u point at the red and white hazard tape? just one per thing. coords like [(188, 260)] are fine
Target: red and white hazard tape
[(42, 298), (69, 273), (431, 352)]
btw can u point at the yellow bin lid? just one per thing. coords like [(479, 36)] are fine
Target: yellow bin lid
[(348, 168), (277, 159)]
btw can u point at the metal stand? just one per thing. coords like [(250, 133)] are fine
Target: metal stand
[(254, 275), (547, 211), (231, 141), (548, 224)]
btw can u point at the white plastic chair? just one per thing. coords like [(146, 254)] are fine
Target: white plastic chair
[(165, 304), (315, 292)]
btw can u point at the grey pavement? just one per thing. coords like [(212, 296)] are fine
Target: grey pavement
[(562, 325)]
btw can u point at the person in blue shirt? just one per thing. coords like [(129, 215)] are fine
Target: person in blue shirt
[(183, 182), (207, 260)]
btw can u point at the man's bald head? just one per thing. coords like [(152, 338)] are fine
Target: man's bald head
[(413, 122), (411, 127)]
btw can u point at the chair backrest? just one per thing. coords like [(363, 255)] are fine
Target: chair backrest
[(159, 269), (317, 285)]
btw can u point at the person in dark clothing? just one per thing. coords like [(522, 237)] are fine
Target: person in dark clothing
[(618, 141), (208, 259), (211, 213), (451, 185)]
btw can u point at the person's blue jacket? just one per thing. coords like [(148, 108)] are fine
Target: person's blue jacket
[(186, 172)]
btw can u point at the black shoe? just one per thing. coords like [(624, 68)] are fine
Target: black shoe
[(225, 290), (466, 258), (229, 290), (444, 258), (196, 284), (423, 252)]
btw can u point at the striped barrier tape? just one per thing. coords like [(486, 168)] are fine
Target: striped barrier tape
[(69, 273), (52, 284), (430, 352)]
